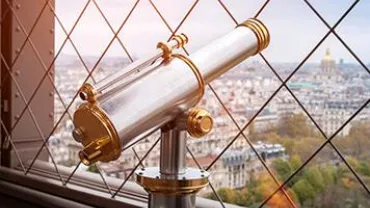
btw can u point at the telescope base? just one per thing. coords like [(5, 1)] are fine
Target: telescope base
[(172, 190)]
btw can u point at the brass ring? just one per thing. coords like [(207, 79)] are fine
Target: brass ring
[(193, 180), (167, 50), (261, 32), (196, 72), (181, 40)]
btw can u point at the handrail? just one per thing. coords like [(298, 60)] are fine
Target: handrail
[(43, 178)]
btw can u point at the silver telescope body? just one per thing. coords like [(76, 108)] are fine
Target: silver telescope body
[(156, 90)]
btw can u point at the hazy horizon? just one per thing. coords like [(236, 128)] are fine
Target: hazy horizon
[(294, 28), (138, 57)]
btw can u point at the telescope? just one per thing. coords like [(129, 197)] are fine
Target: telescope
[(161, 91)]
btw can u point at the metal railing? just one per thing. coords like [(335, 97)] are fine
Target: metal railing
[(49, 5)]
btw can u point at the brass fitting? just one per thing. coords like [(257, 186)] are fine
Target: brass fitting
[(101, 143), (260, 30), (93, 151), (167, 50), (181, 40), (199, 122), (87, 92), (190, 182), (177, 41)]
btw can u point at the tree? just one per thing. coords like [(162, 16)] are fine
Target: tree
[(283, 168), (226, 194), (314, 177), (304, 191), (243, 198), (356, 143), (279, 200), (364, 168), (353, 162), (316, 186), (304, 147), (295, 126), (328, 174), (295, 162)]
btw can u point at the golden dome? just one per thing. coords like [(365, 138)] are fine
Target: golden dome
[(327, 56)]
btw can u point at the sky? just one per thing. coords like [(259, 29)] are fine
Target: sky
[(294, 28)]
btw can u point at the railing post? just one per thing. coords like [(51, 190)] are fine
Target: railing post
[(27, 46)]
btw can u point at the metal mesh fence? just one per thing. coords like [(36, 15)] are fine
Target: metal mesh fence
[(242, 126)]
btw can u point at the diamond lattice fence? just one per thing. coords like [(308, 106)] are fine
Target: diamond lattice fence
[(289, 131)]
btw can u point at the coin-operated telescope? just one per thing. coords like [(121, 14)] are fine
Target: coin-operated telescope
[(161, 92)]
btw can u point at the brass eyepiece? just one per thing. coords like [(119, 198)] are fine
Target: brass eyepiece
[(199, 122), (93, 151), (260, 30)]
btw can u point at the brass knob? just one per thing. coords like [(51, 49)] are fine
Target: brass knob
[(78, 134), (199, 122)]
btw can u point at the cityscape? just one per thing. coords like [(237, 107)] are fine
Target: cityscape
[(331, 91), (282, 119)]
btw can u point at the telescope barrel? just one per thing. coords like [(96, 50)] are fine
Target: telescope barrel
[(247, 39), (105, 126)]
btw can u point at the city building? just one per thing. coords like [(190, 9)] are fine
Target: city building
[(236, 167), (329, 70)]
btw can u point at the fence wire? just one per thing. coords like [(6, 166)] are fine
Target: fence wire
[(10, 11)]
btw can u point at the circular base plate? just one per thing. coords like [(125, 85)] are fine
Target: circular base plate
[(189, 182)]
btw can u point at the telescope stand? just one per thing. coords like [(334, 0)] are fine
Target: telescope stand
[(172, 184)]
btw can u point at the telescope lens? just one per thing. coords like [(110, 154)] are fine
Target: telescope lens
[(83, 95)]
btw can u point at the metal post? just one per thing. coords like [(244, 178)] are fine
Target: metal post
[(172, 164), (173, 150), (172, 184), (160, 200)]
